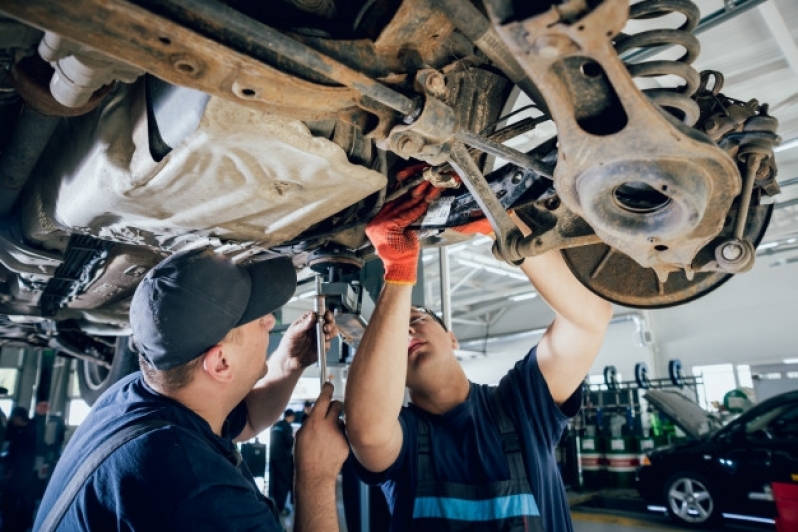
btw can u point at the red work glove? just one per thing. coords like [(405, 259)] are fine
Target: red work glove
[(395, 244)]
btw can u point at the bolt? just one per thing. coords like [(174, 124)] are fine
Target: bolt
[(518, 176), (435, 83), (710, 125), (409, 144), (552, 203), (732, 251)]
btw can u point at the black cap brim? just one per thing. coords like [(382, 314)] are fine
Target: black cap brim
[(273, 284)]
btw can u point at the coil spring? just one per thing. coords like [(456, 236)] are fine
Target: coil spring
[(680, 97)]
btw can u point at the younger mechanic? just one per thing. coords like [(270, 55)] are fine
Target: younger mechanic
[(464, 456), (202, 324)]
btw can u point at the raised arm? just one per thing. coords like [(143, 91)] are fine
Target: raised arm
[(570, 345), (375, 387)]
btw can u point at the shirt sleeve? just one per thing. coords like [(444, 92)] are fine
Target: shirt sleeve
[(408, 441), (525, 391)]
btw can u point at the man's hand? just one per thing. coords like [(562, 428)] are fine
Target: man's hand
[(395, 244), (299, 340), (321, 447), (320, 452)]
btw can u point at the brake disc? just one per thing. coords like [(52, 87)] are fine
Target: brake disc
[(616, 277)]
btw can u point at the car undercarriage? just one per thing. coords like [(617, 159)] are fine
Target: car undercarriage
[(136, 129)]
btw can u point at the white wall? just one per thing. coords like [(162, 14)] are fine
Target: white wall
[(751, 319)]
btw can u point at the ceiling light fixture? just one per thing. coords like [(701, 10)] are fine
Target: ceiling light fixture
[(790, 144), (522, 297)]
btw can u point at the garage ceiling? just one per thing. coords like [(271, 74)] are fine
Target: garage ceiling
[(755, 49)]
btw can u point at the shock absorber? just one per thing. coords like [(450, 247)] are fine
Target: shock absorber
[(677, 100)]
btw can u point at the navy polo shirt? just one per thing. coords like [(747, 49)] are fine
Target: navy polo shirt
[(466, 445), (178, 477)]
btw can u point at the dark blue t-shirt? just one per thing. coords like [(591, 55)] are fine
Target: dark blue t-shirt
[(178, 477), (466, 445)]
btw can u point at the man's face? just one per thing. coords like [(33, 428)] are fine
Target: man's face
[(427, 340), (252, 346)]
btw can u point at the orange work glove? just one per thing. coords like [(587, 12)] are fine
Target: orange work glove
[(481, 226), (395, 244)]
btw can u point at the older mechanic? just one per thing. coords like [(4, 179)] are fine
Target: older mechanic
[(202, 326), (462, 453)]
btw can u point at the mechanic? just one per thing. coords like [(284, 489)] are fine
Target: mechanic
[(441, 461), (201, 325)]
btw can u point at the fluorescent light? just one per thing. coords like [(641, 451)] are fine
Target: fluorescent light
[(522, 297), (768, 245), (306, 295), (790, 144), (473, 264), (791, 360), (506, 273)]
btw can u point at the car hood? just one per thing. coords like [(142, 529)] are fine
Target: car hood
[(684, 412)]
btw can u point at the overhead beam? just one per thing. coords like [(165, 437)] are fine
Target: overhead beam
[(781, 33)]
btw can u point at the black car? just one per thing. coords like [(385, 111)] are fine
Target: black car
[(725, 473)]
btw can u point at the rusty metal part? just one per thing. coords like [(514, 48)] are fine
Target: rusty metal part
[(258, 34), (477, 28), (507, 234), (427, 138), (181, 56), (679, 98), (32, 76), (500, 150), (619, 279), (616, 147), (80, 71)]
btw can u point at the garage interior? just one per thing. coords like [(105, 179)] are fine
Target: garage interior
[(727, 350)]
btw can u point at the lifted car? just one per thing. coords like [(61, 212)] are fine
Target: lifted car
[(149, 126)]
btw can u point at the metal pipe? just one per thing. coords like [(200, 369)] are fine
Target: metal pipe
[(446, 295), (31, 134), (751, 166), (500, 150), (321, 348), (507, 234), (215, 14)]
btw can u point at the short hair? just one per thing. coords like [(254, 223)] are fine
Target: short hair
[(169, 380), (288, 413), (173, 379), (431, 314)]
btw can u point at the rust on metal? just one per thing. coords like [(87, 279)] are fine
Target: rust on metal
[(180, 56)]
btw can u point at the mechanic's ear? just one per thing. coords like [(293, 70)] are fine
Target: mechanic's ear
[(455, 343), (216, 365)]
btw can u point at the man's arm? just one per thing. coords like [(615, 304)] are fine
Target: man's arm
[(375, 387), (570, 344), (297, 350), (321, 450)]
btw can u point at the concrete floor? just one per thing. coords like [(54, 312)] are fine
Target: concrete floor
[(609, 521)]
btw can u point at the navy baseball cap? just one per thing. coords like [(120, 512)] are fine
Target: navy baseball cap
[(190, 301)]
